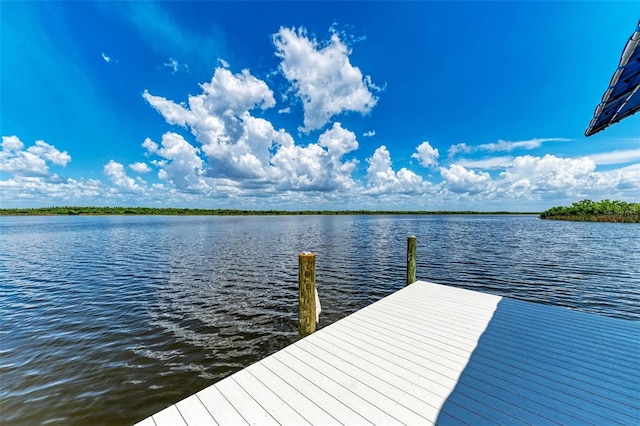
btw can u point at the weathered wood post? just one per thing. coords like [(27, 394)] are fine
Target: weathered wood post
[(412, 243), (307, 293)]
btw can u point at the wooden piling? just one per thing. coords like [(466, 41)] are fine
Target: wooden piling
[(412, 243), (307, 293)]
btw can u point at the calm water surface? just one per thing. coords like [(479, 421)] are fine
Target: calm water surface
[(106, 320)]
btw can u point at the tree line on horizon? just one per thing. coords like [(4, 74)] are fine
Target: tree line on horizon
[(596, 211), (174, 211), (584, 210)]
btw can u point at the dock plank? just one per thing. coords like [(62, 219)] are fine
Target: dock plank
[(245, 403), (363, 384), (304, 380), (147, 422), (223, 412), (433, 354), (307, 408), (169, 416), (194, 412), (272, 403), (352, 393)]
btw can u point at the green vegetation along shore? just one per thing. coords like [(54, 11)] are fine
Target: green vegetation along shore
[(596, 211), (170, 211)]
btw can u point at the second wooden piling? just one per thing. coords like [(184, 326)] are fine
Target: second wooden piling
[(412, 243), (307, 293)]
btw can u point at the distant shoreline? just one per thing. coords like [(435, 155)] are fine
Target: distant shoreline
[(151, 211)]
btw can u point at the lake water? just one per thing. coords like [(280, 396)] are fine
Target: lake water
[(106, 320)]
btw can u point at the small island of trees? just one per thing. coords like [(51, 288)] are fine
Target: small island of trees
[(596, 211)]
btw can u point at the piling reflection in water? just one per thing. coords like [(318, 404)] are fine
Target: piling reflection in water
[(106, 320)]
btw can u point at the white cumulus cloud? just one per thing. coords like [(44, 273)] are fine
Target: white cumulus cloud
[(33, 161), (183, 166), (382, 179), (150, 146), (549, 172), (322, 76), (237, 151), (171, 111), (22, 191), (460, 180), (50, 153), (11, 144), (229, 93), (116, 173), (426, 155), (338, 140), (140, 167), (625, 179), (319, 166), (236, 143), (531, 178), (458, 148)]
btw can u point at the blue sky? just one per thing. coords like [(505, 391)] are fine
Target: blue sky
[(313, 105)]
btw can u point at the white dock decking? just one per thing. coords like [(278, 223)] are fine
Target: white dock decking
[(432, 354)]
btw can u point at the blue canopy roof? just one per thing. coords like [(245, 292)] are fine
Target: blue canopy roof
[(622, 97)]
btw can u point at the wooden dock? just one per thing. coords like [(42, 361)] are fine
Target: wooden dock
[(432, 354)]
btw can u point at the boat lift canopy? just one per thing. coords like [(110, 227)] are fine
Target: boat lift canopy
[(622, 97)]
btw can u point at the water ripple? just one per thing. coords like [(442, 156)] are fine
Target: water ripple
[(106, 320)]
